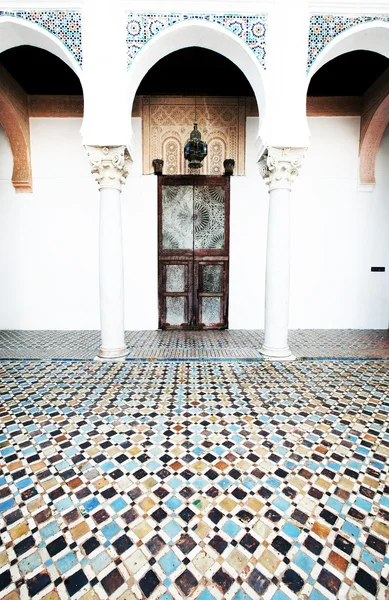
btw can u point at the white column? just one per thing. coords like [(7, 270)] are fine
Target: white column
[(279, 166), (110, 168)]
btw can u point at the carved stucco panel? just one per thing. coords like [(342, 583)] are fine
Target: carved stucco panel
[(168, 121)]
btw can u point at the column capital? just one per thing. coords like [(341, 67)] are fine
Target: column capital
[(279, 167), (109, 165)]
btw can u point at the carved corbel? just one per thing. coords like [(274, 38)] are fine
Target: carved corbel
[(109, 165), (279, 167)]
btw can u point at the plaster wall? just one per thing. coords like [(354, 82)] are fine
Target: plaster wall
[(49, 239), (339, 233)]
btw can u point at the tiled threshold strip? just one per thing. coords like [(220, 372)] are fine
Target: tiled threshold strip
[(207, 345), (208, 480)]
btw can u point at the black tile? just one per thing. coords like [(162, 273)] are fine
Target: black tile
[(56, 546), (5, 579), (186, 582), (37, 583), (122, 544), (148, 583), (281, 545), (258, 582), (292, 580), (223, 580), (112, 581), (329, 581), (249, 543), (75, 582), (90, 544), (366, 581)]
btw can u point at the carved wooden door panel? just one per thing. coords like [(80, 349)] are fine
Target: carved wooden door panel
[(193, 236)]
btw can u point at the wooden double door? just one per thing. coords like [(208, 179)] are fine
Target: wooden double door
[(193, 248)]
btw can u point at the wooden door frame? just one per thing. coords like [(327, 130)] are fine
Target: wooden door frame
[(204, 255)]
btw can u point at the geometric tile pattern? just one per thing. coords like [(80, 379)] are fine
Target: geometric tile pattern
[(251, 29), (228, 344), (209, 480), (324, 28), (64, 24)]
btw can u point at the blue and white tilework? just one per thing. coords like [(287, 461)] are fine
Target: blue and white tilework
[(165, 480), (324, 28), (201, 345), (64, 24), (141, 27)]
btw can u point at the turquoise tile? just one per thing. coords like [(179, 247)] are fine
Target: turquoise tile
[(280, 596), (172, 529), (371, 561), (291, 530), (335, 504), (173, 503), (240, 595), (49, 530), (66, 563), (231, 528), (110, 530), (100, 561), (315, 595), (351, 529), (206, 596), (169, 562), (30, 563), (306, 563), (281, 504), (119, 504)]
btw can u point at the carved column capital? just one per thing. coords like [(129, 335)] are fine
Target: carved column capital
[(109, 165), (279, 167)]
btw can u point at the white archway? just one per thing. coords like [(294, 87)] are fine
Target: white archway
[(17, 32), (205, 35), (373, 36)]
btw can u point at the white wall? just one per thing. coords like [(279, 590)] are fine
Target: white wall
[(249, 207), (339, 233), (49, 239), (140, 241)]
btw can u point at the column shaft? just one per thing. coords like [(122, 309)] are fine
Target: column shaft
[(110, 168), (279, 166), (277, 276), (111, 275)]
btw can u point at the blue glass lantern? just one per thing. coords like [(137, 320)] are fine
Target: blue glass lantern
[(195, 149)]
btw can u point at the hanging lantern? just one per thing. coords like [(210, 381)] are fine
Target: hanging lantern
[(195, 149)]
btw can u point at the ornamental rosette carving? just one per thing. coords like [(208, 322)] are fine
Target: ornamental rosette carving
[(109, 165), (279, 167)]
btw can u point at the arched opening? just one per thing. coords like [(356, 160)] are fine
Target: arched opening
[(205, 35), (346, 227), (44, 233), (196, 70)]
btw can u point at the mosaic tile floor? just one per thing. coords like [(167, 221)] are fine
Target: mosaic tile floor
[(204, 480), (336, 343)]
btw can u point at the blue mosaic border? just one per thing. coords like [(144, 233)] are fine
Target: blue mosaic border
[(141, 27), (64, 24), (324, 28)]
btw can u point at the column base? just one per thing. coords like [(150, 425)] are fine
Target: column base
[(279, 354), (112, 354)]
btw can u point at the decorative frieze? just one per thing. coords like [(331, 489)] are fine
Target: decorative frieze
[(109, 165), (251, 29), (64, 24), (168, 121), (279, 167), (324, 28)]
